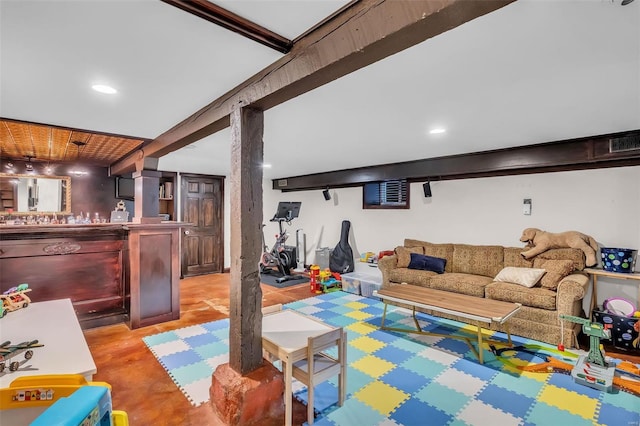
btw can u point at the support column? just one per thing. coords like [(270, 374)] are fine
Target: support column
[(248, 390), (247, 152), (147, 204)]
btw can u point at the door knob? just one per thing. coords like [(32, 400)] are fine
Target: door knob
[(186, 232)]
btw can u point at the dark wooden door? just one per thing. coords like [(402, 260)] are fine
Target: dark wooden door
[(203, 206)]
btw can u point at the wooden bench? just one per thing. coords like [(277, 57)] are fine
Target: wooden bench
[(468, 307)]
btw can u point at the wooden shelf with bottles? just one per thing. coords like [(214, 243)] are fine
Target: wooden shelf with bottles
[(167, 194)]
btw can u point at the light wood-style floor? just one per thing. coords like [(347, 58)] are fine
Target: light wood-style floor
[(142, 388)]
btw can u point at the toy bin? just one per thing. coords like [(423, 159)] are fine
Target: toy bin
[(618, 259), (351, 282), (323, 255), (624, 330), (360, 283), (369, 285)]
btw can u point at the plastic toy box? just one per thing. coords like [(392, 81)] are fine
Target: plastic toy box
[(618, 259), (360, 283), (368, 286), (624, 330), (351, 282)]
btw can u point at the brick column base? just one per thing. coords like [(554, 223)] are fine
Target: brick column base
[(255, 399)]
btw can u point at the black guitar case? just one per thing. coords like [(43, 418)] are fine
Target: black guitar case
[(341, 258)]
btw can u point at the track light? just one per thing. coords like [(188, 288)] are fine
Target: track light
[(426, 187), (326, 194)]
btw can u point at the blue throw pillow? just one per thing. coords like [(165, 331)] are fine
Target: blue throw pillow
[(427, 263)]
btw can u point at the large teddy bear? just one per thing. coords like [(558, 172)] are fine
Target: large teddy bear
[(540, 241)]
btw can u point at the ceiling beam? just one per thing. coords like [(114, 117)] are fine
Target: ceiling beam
[(572, 154), (229, 20), (361, 35)]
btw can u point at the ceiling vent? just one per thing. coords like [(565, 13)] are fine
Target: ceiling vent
[(625, 143)]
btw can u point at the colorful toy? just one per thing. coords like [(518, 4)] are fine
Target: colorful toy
[(65, 399), (365, 257), (627, 375), (328, 281), (9, 351), (593, 370), (14, 299), (314, 272)]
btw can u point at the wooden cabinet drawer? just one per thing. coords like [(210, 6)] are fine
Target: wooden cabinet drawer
[(56, 247)]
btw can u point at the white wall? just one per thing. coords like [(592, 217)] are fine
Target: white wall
[(603, 203)]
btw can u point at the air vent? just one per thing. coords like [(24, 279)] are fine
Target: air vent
[(625, 143)]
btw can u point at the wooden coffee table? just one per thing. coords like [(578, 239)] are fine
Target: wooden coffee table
[(469, 307)]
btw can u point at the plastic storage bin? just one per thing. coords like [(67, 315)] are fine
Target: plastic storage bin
[(360, 283), (351, 282), (367, 287), (618, 259), (322, 257), (624, 330)]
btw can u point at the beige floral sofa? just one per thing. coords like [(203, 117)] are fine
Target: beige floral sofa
[(500, 273)]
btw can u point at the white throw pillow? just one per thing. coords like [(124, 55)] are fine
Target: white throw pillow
[(527, 277)]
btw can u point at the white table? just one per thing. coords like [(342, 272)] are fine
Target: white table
[(55, 325), (285, 335)]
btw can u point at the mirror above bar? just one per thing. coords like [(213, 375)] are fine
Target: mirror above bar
[(25, 194)]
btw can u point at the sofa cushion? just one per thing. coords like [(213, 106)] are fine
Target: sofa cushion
[(404, 254), (411, 276), (408, 242), (477, 260), (556, 271), (444, 251), (536, 297), (427, 263), (512, 257), (527, 277), (575, 255), (472, 285)]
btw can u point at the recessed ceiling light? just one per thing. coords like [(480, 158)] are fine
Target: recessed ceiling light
[(437, 130), (103, 88)]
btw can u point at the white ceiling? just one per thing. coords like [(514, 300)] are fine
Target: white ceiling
[(532, 72)]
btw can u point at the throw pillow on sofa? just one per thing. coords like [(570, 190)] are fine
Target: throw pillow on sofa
[(427, 263), (404, 255), (556, 271), (527, 277)]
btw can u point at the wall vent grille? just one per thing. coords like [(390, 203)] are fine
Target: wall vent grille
[(625, 143)]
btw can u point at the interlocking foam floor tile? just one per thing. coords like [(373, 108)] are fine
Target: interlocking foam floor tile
[(404, 379), (381, 397)]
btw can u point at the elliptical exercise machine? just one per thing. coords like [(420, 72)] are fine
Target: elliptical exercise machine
[(281, 256)]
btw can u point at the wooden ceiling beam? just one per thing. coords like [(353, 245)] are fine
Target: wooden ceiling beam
[(572, 154), (229, 20), (359, 36)]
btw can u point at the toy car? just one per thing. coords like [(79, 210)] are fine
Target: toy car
[(9, 351), (14, 299)]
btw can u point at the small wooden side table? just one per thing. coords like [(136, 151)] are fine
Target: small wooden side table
[(595, 273)]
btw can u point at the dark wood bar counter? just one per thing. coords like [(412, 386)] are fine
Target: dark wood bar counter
[(111, 272)]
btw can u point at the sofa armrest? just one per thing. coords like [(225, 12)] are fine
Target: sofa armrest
[(571, 289), (385, 265)]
